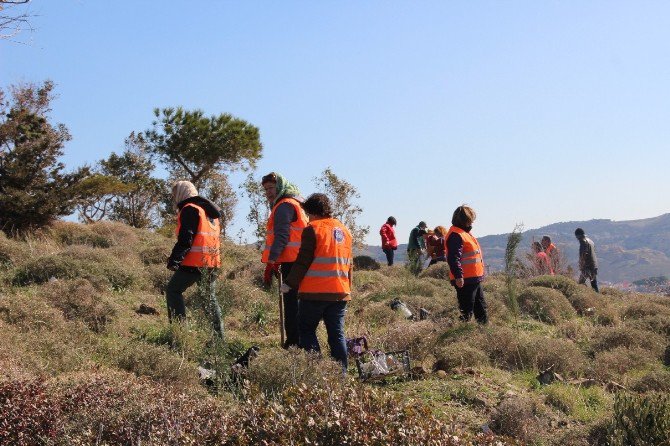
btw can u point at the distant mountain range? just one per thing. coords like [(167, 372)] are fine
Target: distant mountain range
[(626, 250)]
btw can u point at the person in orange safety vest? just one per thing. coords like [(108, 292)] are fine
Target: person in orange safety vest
[(196, 254), (283, 234), (322, 276), (552, 252), (466, 265)]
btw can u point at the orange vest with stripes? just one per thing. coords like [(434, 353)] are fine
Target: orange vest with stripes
[(206, 247), (290, 252), (329, 271), (472, 260)]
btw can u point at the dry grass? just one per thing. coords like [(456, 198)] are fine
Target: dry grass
[(545, 305)]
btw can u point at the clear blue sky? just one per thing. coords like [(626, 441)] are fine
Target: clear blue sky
[(532, 112)]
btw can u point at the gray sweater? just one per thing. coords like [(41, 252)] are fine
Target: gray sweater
[(587, 255)]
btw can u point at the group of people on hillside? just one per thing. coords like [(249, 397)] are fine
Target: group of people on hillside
[(312, 252), (305, 246)]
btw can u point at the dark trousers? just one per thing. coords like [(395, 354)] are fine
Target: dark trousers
[(290, 311), (389, 255), (332, 313), (174, 294), (592, 276), (437, 259), (471, 299)]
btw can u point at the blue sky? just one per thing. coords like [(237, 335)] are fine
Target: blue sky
[(532, 112)]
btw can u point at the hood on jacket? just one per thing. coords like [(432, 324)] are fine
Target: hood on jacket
[(211, 209)]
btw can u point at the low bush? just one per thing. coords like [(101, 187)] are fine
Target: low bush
[(640, 420), (653, 381), (76, 262), (639, 310), (608, 338), (419, 338), (103, 234), (516, 416), (275, 370), (79, 300), (365, 263), (369, 280), (460, 354), (582, 403), (440, 270), (611, 365), (567, 286), (11, 251), (545, 305), (657, 323)]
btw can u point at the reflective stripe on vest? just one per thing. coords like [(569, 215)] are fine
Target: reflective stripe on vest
[(291, 249), (471, 260), (206, 246), (330, 269)]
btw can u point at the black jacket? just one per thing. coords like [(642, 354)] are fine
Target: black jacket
[(189, 227)]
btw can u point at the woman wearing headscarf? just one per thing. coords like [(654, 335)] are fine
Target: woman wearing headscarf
[(196, 255), (282, 244)]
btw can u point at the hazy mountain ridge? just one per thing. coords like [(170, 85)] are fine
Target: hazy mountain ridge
[(627, 250)]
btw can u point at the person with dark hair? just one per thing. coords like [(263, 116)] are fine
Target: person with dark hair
[(282, 243), (195, 257), (466, 265), (322, 275), (416, 247), (389, 242), (552, 252), (542, 263), (588, 262)]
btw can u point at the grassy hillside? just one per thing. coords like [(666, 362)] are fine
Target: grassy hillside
[(79, 364)]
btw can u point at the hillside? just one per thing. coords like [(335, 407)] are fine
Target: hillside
[(627, 250), (88, 357)]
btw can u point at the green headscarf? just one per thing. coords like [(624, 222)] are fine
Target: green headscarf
[(285, 188)]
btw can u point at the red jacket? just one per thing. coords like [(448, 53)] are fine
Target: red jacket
[(388, 237)]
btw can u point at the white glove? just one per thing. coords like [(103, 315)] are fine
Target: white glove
[(284, 288)]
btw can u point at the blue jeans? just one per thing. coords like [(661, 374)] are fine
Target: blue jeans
[(310, 312)]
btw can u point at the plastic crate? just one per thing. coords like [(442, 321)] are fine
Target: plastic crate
[(371, 368)]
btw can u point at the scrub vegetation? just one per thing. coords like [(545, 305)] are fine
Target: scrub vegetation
[(88, 357)]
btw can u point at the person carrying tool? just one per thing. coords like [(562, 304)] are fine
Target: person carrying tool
[(196, 255), (322, 275), (588, 262), (389, 242), (466, 265), (283, 233)]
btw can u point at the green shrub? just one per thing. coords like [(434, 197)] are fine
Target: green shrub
[(79, 300), (275, 370), (440, 270), (419, 338), (582, 403), (545, 305), (606, 338), (653, 381), (613, 364), (365, 263), (560, 283), (103, 234), (460, 354), (657, 323), (369, 280), (75, 262), (640, 420), (643, 309)]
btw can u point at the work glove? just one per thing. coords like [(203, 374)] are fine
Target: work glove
[(271, 269), (284, 288)]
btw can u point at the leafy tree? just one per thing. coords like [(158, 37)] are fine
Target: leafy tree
[(34, 190), (101, 191), (201, 149), (259, 208), (342, 194), (137, 205)]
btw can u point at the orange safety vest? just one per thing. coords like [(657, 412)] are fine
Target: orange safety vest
[(206, 247), (472, 260), (290, 252), (329, 271), (551, 249)]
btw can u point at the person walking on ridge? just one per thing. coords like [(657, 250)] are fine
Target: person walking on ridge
[(322, 275), (389, 242), (196, 254), (283, 233), (466, 265), (542, 262), (588, 262), (552, 251)]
